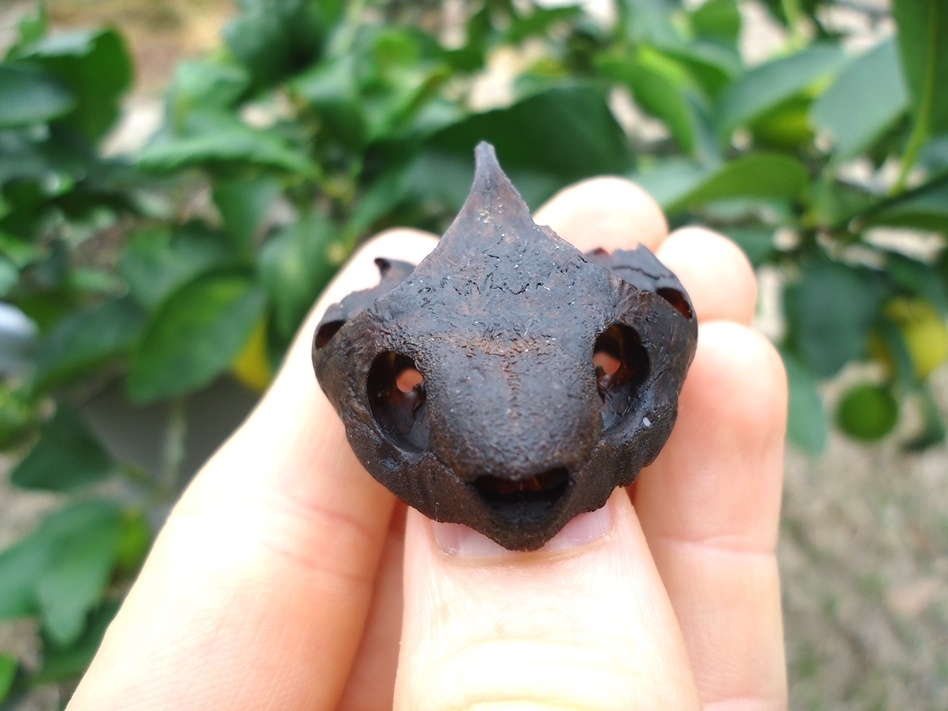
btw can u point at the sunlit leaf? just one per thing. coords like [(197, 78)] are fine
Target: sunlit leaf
[(678, 186), (718, 19), (659, 89), (648, 21), (770, 84), (8, 667), (868, 96), (213, 137)]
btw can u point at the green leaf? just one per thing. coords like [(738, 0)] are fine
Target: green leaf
[(757, 242), (19, 415), (544, 142), (213, 137), (272, 38), (243, 204), (710, 64), (679, 186), (85, 340), (378, 200), (659, 89), (830, 311), (768, 85), (717, 19), (207, 84), (30, 96), (867, 98), (68, 663), (97, 69), (671, 180), (331, 89), (807, 423), (923, 44), (539, 21), (20, 568), (934, 155), (74, 579), (195, 335), (134, 544), (648, 21), (158, 261), (30, 28), (8, 667), (834, 203), (295, 266), (923, 208), (786, 128), (66, 457), (24, 563), (918, 278)]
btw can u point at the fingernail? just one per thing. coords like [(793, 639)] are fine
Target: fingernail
[(459, 540), (583, 529)]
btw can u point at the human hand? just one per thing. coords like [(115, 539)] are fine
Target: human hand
[(286, 578)]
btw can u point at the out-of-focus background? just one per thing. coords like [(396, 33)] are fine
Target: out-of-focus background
[(204, 166)]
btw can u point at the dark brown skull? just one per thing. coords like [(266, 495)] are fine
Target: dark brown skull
[(509, 382)]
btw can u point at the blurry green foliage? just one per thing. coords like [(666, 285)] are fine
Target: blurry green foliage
[(316, 124)]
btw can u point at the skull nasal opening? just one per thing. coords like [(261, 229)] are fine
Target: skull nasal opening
[(523, 501)]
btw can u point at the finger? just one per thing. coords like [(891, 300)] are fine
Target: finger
[(606, 212), (715, 273), (584, 623), (257, 588), (710, 507), (372, 676), (614, 213)]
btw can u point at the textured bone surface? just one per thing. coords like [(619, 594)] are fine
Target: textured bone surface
[(508, 382)]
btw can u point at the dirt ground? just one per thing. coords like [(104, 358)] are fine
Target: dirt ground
[(864, 544)]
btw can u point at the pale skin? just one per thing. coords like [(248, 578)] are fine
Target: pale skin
[(287, 578)]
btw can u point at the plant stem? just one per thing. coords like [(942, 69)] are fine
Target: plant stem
[(354, 13), (173, 449), (920, 129), (794, 14), (916, 140)]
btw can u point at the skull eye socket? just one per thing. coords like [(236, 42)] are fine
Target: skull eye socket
[(621, 364), (326, 331), (396, 392), (678, 300)]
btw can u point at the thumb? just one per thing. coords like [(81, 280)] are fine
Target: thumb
[(583, 623)]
